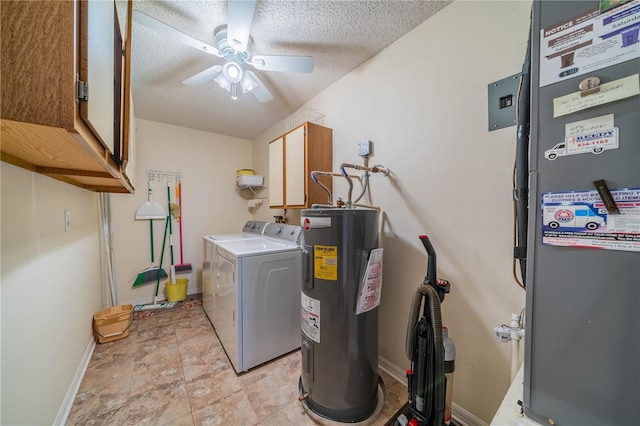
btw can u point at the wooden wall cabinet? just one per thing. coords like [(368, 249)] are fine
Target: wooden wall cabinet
[(292, 158), (50, 123)]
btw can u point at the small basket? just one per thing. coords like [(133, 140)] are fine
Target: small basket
[(301, 116), (243, 172), (112, 323)]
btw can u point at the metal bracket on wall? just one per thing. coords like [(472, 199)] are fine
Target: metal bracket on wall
[(503, 96)]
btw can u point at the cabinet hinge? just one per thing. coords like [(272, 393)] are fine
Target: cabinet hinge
[(83, 90)]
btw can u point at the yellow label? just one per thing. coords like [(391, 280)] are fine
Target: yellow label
[(325, 261)]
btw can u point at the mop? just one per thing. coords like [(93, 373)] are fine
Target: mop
[(150, 210), (155, 304)]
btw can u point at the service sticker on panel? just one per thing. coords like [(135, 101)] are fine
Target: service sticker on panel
[(310, 317), (580, 219), (325, 260)]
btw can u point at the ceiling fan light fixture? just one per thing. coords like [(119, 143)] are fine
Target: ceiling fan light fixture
[(222, 82), (232, 72), (248, 83)]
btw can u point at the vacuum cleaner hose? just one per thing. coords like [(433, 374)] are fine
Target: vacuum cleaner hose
[(436, 317)]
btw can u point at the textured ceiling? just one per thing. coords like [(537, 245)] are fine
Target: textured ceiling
[(339, 35)]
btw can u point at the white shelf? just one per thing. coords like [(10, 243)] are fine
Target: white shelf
[(250, 180)]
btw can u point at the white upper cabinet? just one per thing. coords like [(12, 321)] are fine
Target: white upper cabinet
[(292, 158)]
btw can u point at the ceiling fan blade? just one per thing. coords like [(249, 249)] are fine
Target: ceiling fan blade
[(282, 63), (204, 77), (169, 31), (239, 20), (261, 92)]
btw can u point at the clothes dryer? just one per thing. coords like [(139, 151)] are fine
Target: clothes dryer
[(257, 295), (251, 229)]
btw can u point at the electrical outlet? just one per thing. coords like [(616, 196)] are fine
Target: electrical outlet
[(364, 149)]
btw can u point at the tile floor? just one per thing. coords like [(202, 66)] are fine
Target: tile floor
[(172, 370)]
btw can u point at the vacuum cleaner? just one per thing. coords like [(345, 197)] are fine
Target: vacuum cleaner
[(430, 378)]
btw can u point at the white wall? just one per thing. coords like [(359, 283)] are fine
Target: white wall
[(423, 103), (51, 287), (210, 202)]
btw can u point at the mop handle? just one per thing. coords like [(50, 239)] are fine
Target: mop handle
[(151, 238), (169, 219), (164, 240), (179, 196), (149, 176)]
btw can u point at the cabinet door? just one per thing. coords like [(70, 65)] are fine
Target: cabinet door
[(295, 168), (276, 173), (100, 71)]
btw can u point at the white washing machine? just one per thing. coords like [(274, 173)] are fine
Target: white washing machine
[(257, 295), (251, 229)]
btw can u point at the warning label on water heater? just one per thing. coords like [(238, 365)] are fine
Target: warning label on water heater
[(325, 261), (310, 314), (370, 289)]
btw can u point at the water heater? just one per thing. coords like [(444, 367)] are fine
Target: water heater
[(339, 379)]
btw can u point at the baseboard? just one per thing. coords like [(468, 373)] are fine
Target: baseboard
[(396, 372), (459, 414), (465, 418), (145, 300), (70, 397), (191, 290)]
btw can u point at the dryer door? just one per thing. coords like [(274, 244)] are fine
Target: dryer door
[(224, 305), (208, 282)]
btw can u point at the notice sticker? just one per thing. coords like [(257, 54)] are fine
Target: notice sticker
[(325, 262), (310, 310), (588, 42)]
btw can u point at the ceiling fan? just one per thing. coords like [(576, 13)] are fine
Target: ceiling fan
[(234, 43)]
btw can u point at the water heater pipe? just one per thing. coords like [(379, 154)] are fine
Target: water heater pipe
[(513, 333), (517, 333), (365, 178), (323, 186), (368, 206), (374, 169)]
